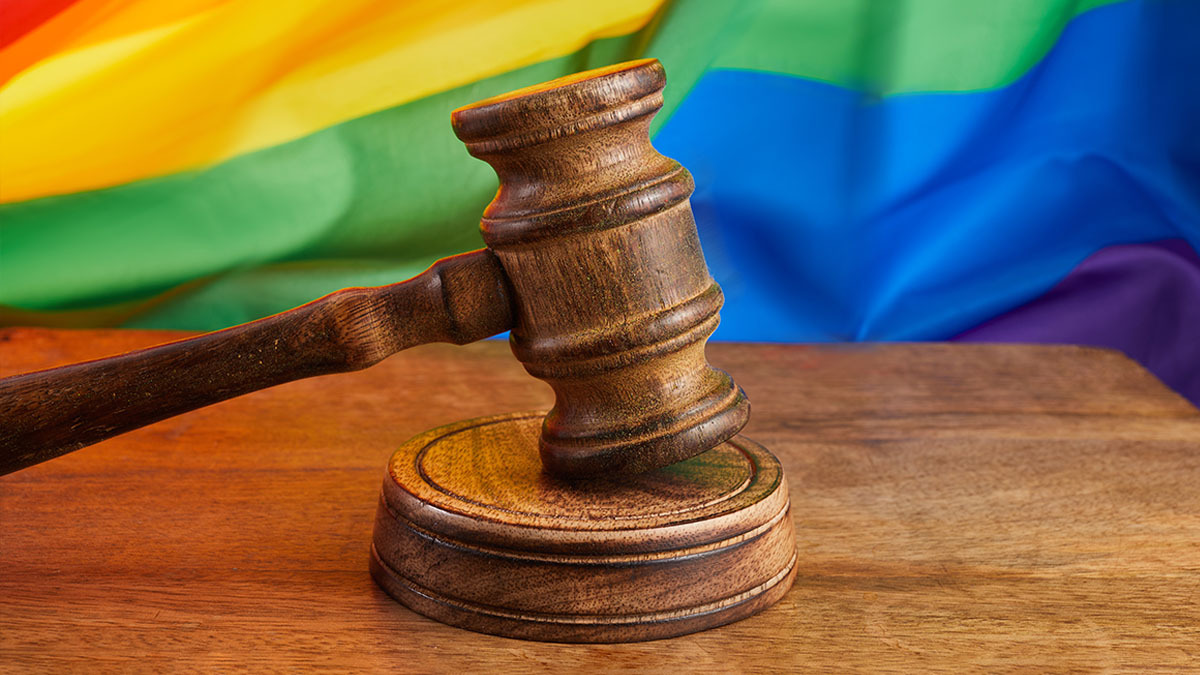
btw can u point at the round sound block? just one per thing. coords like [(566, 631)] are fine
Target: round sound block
[(471, 532)]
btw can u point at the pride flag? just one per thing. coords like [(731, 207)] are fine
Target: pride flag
[(1017, 170)]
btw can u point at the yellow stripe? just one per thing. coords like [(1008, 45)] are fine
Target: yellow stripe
[(246, 75)]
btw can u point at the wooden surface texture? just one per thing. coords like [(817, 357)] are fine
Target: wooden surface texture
[(957, 507)]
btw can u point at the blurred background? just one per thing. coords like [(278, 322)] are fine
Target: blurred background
[(1010, 170)]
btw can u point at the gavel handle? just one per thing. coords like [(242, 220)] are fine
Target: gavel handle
[(52, 412)]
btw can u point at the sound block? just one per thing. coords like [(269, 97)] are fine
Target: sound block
[(471, 532)]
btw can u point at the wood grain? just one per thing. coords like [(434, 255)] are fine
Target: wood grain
[(958, 507), (471, 530), (612, 298), (49, 413)]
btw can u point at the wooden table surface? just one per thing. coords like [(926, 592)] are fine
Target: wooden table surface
[(1002, 507)]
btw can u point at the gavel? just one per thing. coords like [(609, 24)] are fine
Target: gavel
[(592, 261), (594, 265)]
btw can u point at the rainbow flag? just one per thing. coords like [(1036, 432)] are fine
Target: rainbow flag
[(1014, 170)]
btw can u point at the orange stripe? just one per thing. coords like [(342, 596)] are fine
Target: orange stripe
[(88, 22)]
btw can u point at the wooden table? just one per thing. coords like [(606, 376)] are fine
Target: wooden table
[(1003, 507)]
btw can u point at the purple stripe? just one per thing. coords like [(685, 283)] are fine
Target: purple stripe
[(1143, 299)]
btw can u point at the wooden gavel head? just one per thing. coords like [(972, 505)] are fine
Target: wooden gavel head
[(613, 300)]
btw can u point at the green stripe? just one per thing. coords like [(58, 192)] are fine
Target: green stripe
[(897, 46), (375, 199), (390, 190)]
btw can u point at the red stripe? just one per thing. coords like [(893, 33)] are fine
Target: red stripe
[(18, 17)]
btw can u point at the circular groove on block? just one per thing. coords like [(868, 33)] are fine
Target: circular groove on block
[(471, 532)]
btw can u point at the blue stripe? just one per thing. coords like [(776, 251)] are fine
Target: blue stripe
[(827, 215)]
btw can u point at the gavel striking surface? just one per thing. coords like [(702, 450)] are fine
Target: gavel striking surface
[(471, 530)]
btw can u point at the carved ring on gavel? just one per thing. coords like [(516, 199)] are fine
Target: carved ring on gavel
[(594, 264)]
